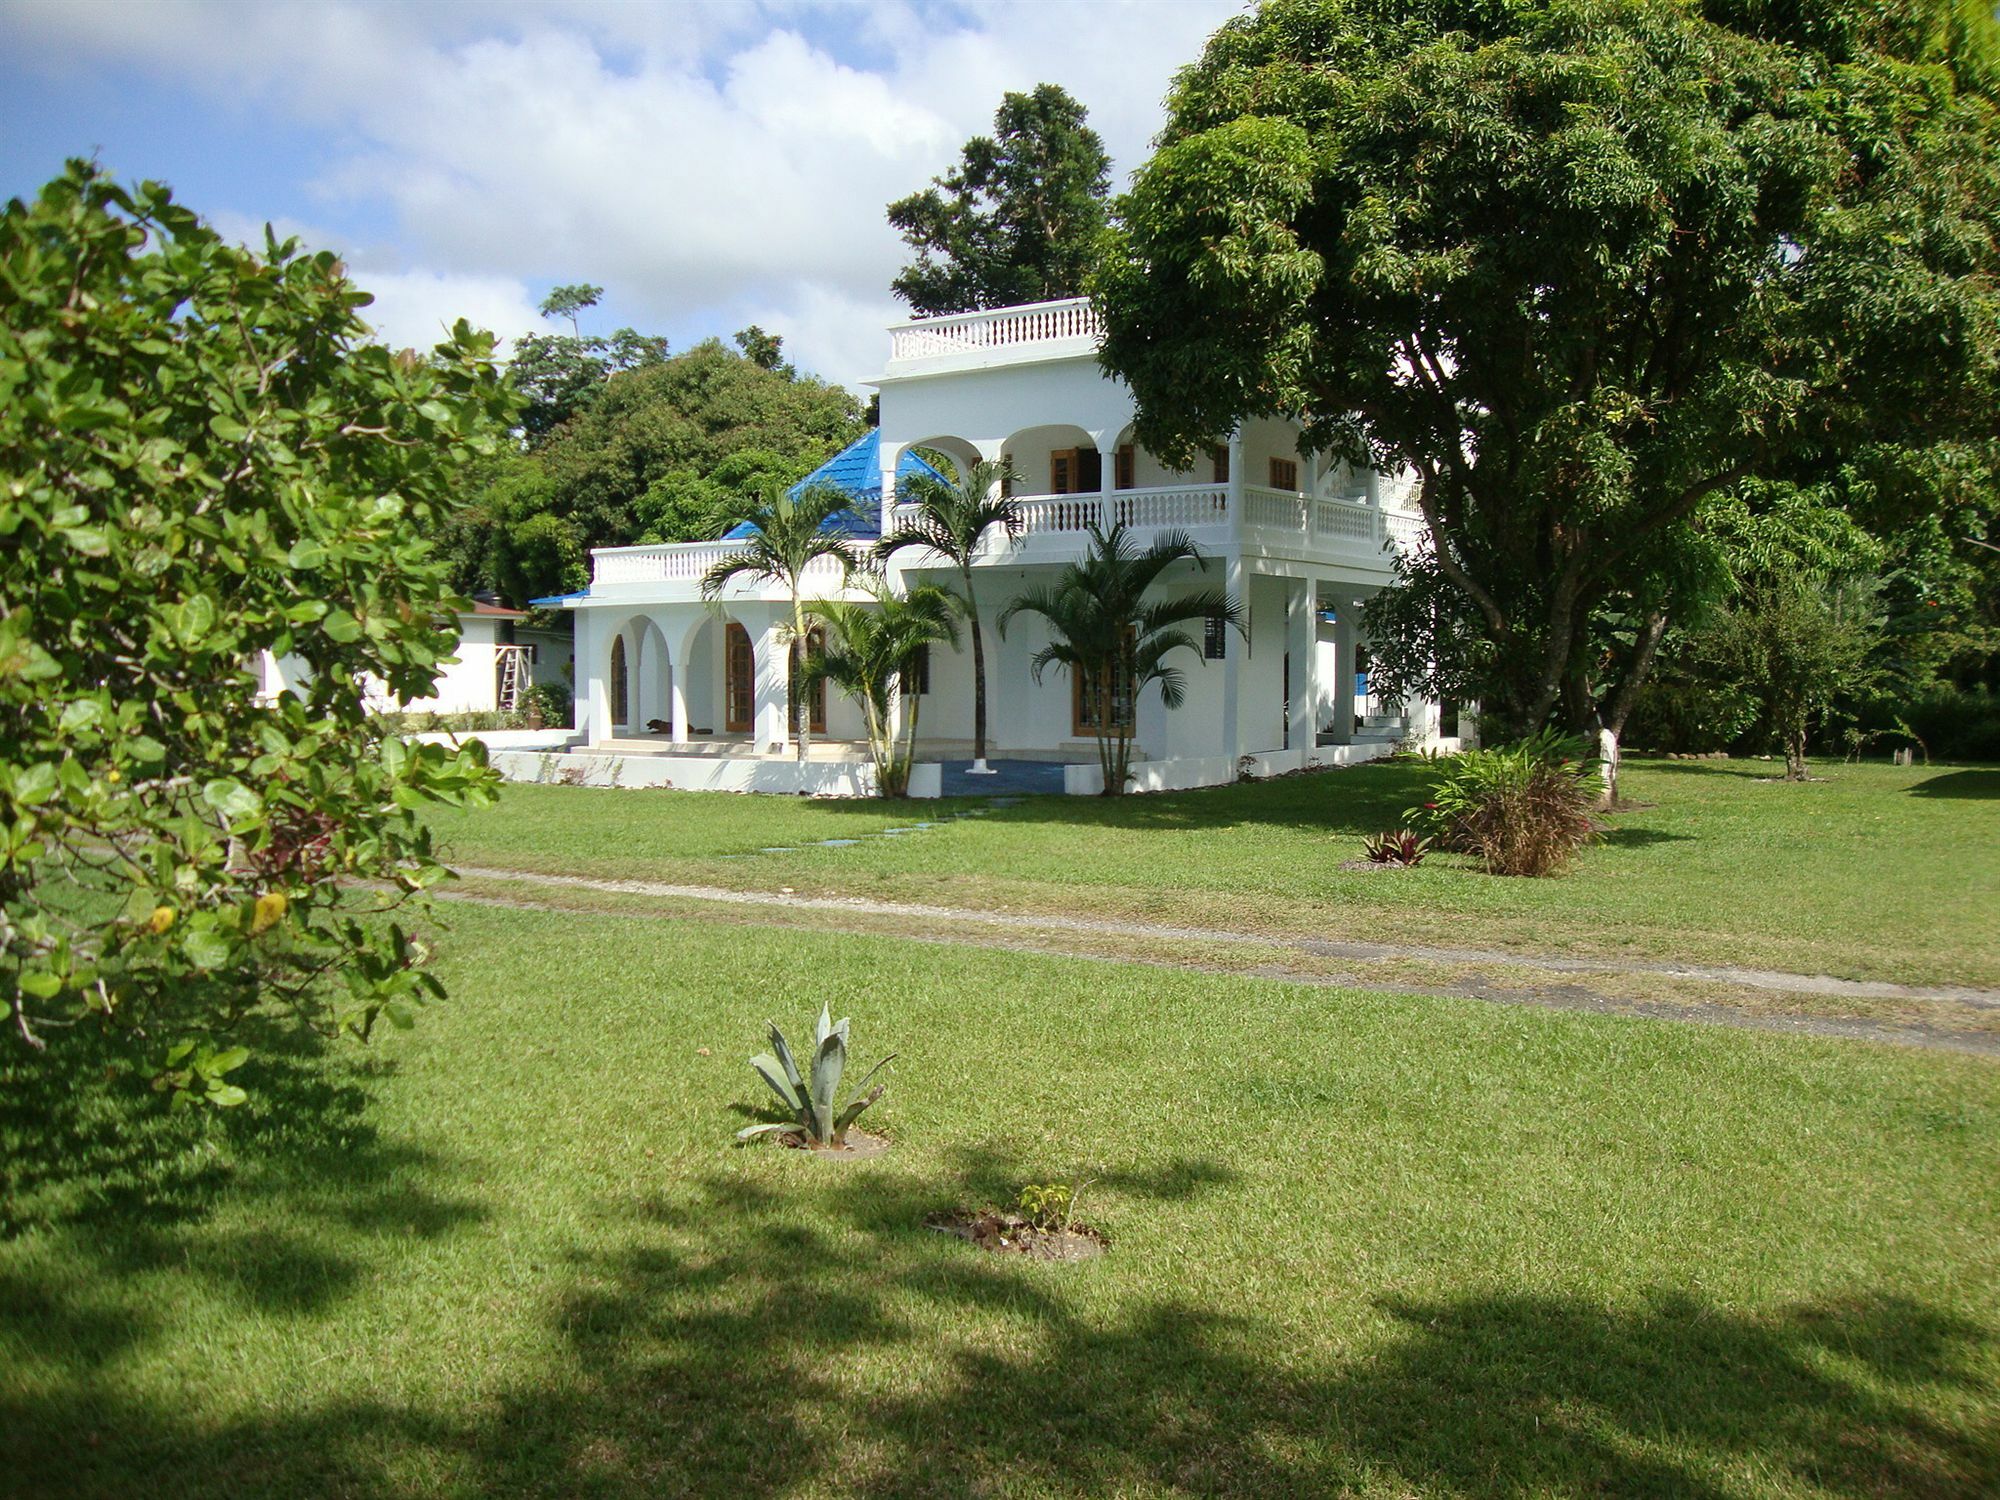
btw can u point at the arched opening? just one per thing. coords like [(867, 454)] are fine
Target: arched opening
[(962, 453), (621, 695), (739, 680)]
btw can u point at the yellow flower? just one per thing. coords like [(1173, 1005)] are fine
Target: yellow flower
[(270, 910), (163, 918), (112, 776)]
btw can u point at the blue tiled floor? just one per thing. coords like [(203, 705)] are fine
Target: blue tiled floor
[(1011, 778)]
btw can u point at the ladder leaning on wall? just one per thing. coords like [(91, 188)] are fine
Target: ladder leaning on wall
[(514, 678)]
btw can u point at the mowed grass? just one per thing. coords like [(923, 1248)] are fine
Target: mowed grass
[(1359, 1243), (1873, 871)]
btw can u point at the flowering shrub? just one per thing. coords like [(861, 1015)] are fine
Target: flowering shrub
[(1521, 809)]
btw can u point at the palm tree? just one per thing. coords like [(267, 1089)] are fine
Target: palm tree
[(870, 648), (1114, 640), (953, 516), (788, 533)]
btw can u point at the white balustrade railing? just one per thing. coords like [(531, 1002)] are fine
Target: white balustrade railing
[(1072, 318), (1346, 525), (1403, 531), (1273, 510), (684, 562), (1343, 520)]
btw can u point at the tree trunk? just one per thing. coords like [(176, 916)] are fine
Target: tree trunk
[(801, 715), (1795, 753), (978, 678), (1608, 753)]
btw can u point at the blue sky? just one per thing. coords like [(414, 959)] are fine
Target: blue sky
[(710, 164)]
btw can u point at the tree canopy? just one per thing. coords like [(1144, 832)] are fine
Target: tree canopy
[(1017, 220), (206, 459), (560, 374), (1585, 266), (672, 450)]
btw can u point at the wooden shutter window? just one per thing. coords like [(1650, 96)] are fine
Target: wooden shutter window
[(1220, 458), (1062, 472), (1128, 465), (1284, 474), (739, 680)]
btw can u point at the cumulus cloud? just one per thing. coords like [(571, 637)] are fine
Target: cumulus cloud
[(711, 165)]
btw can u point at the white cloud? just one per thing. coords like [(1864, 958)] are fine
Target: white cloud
[(710, 164)]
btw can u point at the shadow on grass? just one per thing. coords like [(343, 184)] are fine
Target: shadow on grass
[(93, 1162), (748, 1339), (1979, 785)]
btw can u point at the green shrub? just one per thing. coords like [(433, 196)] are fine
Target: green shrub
[(556, 705), (1952, 723), (1520, 809)]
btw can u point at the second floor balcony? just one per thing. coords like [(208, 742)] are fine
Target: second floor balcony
[(1257, 520)]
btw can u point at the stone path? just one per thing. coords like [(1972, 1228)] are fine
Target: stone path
[(1542, 972)]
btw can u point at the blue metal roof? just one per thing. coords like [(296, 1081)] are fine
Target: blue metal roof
[(550, 600), (857, 469)]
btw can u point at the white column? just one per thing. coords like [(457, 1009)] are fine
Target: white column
[(772, 720), (593, 692), (1236, 485), (1344, 636), (1107, 485), (1304, 638), (1236, 585), (890, 456), (680, 703)]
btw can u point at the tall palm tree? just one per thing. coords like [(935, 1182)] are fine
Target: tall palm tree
[(1114, 640), (787, 534), (869, 650), (954, 514)]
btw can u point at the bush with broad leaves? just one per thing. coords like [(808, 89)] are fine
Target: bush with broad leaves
[(203, 458)]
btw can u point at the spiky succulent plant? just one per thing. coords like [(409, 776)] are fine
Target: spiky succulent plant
[(813, 1099)]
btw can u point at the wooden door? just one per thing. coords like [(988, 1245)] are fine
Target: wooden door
[(739, 694)]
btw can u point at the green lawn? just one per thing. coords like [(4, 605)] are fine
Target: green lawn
[(1360, 1242), (1872, 872)]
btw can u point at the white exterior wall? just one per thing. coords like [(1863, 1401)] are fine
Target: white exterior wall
[(466, 683), (1023, 383)]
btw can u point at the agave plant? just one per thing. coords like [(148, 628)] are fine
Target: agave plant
[(814, 1102), (1398, 846)]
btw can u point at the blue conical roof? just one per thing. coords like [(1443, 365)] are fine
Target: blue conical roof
[(857, 469)]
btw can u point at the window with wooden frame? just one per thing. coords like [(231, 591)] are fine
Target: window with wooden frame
[(620, 695), (1076, 471), (1084, 710), (1284, 474), (1219, 457), (816, 704), (1215, 637), (739, 695), (1126, 468)]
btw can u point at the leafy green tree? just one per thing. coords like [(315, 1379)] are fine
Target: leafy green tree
[(788, 533), (871, 648), (686, 506), (206, 460), (1114, 640), (764, 350), (562, 373), (1581, 265), (1017, 220), (954, 517), (693, 412)]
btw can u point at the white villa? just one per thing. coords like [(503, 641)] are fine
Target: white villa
[(680, 691)]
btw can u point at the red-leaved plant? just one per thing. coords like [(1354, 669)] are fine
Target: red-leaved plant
[(1398, 846)]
